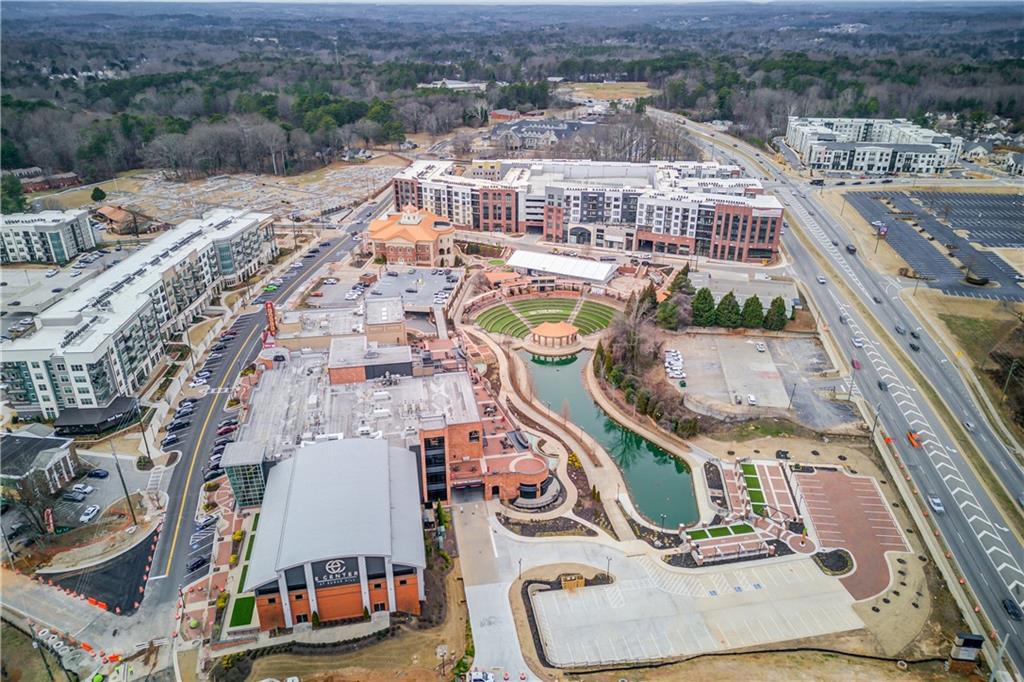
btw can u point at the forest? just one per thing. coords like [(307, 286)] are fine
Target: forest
[(99, 88)]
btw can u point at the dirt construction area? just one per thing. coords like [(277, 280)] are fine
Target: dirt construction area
[(308, 195)]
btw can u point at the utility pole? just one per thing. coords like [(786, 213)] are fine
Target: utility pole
[(791, 394), (124, 486), (142, 430), (875, 422), (42, 655), (1009, 375)]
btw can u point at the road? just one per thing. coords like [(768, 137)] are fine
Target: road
[(180, 540), (988, 553)]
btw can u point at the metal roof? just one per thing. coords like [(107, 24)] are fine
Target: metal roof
[(567, 266), (340, 498)]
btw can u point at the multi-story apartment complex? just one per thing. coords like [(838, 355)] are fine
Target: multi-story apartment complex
[(666, 207), (103, 341), (872, 145), (45, 237)]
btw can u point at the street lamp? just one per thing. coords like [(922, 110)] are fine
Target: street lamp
[(663, 517)]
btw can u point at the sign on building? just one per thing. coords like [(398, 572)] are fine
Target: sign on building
[(335, 572)]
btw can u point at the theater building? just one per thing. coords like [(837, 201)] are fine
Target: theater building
[(340, 533)]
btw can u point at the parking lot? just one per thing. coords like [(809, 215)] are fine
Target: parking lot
[(417, 288), (850, 512), (730, 368), (995, 220), (967, 214), (32, 289)]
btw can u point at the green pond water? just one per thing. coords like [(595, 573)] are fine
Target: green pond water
[(658, 482)]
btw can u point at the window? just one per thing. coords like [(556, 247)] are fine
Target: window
[(272, 600), (301, 618), (378, 586), (298, 597), (76, 368), (403, 582), (379, 606), (85, 401)]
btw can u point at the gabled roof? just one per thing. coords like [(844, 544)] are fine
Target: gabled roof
[(580, 268)]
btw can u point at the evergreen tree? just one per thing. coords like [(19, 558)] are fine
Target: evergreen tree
[(12, 200), (728, 312), (681, 282), (98, 194), (648, 300), (667, 316), (753, 313), (775, 318), (704, 308)]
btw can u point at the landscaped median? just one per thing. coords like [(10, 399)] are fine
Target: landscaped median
[(754, 491)]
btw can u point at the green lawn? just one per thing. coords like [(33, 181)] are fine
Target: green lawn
[(741, 529), (496, 261), (756, 496), (697, 534), (719, 532), (241, 614), (501, 320), (255, 524), (760, 509), (241, 580), (248, 549), (753, 482), (749, 469)]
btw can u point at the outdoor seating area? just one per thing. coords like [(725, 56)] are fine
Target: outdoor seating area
[(502, 320)]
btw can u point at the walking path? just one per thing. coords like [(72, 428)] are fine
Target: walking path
[(576, 309)]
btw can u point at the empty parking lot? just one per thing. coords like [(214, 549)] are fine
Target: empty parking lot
[(850, 512)]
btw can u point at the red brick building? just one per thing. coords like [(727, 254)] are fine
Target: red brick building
[(414, 237)]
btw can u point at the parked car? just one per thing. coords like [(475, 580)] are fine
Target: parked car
[(178, 426), (782, 454), (218, 347), (212, 474), (83, 488), (230, 421), (98, 473), (223, 431), (196, 563), (89, 514), (224, 441), (207, 521), (751, 399), (169, 440), (73, 496), (197, 383)]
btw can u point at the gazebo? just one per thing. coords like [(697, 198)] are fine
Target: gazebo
[(555, 334)]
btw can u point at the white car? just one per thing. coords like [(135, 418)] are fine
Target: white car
[(89, 514), (761, 348), (858, 342), (197, 382), (83, 488), (751, 399)]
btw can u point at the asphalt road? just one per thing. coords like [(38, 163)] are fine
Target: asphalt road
[(181, 540), (988, 554)]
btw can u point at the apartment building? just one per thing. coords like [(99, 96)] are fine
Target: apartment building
[(45, 237), (103, 341), (681, 208), (867, 145)]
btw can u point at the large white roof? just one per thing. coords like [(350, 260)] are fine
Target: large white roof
[(567, 266), (341, 498)]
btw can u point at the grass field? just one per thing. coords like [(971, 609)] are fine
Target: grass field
[(502, 319), (241, 612), (241, 578), (610, 91), (720, 531), (977, 336)]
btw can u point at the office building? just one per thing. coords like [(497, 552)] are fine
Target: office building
[(413, 236), (681, 208), (103, 341), (875, 146), (45, 237)]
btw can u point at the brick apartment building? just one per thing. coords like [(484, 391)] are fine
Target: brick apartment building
[(683, 208)]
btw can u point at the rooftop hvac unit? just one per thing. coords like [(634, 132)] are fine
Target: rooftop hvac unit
[(381, 412), (381, 395), (363, 430)]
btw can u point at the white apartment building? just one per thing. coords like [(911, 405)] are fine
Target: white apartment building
[(866, 145), (701, 208), (104, 340), (45, 237)]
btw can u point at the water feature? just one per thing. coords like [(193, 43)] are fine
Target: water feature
[(658, 482)]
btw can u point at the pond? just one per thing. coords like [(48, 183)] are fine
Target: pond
[(658, 482)]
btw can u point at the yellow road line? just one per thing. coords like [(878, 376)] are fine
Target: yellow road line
[(206, 422), (195, 452)]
